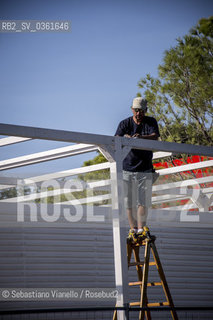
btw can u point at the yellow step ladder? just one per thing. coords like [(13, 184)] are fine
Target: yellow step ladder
[(142, 267)]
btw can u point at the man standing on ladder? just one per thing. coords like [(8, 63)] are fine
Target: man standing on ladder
[(138, 170)]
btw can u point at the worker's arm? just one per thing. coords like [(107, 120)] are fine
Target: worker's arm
[(152, 136)]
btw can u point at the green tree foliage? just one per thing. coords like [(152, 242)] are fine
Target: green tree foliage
[(14, 192), (96, 175), (88, 177), (8, 193), (181, 97)]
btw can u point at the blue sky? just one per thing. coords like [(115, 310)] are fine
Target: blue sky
[(85, 80)]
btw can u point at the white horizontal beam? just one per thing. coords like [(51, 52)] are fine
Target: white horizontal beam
[(185, 191), (159, 155), (179, 194), (6, 186), (183, 183), (101, 140), (186, 207), (46, 156), (67, 173), (186, 167), (100, 183), (56, 192), (56, 135), (87, 200), (168, 198), (173, 147), (12, 140), (40, 195)]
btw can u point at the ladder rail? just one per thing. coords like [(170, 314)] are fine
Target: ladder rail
[(163, 280), (142, 268), (136, 250), (143, 301)]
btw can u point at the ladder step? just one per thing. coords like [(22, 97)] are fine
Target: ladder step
[(134, 264), (157, 304), (134, 304), (152, 304), (153, 284), (137, 283), (149, 284)]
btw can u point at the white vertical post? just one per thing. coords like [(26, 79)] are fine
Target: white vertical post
[(119, 230)]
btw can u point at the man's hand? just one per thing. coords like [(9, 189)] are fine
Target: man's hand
[(152, 136), (137, 135)]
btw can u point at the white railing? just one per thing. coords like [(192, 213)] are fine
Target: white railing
[(164, 193)]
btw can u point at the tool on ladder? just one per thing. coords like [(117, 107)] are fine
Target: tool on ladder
[(142, 267)]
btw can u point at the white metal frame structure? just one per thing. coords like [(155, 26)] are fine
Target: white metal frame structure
[(114, 149)]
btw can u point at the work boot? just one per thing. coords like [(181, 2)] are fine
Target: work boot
[(143, 234), (132, 236)]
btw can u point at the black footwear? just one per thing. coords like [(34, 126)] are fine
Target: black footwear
[(132, 236), (143, 234)]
